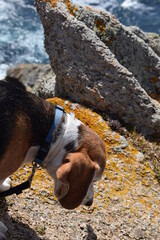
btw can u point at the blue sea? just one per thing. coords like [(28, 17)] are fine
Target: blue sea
[(21, 33)]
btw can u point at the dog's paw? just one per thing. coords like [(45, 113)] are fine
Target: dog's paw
[(3, 230), (5, 185)]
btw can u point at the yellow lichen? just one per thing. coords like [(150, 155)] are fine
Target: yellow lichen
[(154, 79), (100, 25), (148, 68), (92, 9), (53, 2), (70, 7), (155, 97)]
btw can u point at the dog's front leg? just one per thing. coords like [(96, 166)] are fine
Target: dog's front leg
[(3, 230), (5, 184)]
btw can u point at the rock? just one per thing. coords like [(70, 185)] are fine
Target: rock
[(27, 74), (137, 234), (155, 41), (122, 146), (128, 48), (45, 86), (101, 63), (152, 39)]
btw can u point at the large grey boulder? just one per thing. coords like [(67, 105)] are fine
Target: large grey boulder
[(101, 63)]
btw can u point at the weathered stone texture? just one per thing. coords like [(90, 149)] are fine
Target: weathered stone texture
[(130, 48), (152, 39), (99, 62), (45, 86), (27, 74)]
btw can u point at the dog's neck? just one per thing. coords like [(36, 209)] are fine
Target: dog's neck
[(41, 117), (65, 139), (66, 142)]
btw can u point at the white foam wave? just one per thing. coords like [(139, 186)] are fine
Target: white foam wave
[(95, 3), (100, 4), (135, 4), (21, 34), (111, 4), (3, 68)]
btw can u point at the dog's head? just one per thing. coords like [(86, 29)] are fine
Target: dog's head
[(79, 170)]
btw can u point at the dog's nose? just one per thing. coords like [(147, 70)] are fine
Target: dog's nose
[(89, 203)]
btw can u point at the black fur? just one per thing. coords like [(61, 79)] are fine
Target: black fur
[(16, 101), (70, 146)]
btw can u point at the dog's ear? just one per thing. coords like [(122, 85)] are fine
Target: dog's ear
[(62, 186), (63, 171), (75, 174)]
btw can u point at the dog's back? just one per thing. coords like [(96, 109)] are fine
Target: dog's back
[(16, 102), (8, 104)]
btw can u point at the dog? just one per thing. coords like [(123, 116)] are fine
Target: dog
[(76, 156)]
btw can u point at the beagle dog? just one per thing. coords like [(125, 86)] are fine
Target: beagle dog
[(76, 156)]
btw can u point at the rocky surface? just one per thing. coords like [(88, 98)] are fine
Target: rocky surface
[(101, 63), (27, 74), (45, 87), (126, 204), (152, 39)]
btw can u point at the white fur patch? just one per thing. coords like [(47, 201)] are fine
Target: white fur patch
[(31, 154), (5, 184), (57, 152), (71, 133)]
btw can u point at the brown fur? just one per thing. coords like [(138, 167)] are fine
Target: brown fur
[(78, 168), (93, 145), (17, 148), (77, 171)]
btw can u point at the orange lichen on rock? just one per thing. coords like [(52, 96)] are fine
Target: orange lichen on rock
[(70, 7), (155, 97), (155, 79), (89, 8), (53, 2), (92, 9), (100, 25)]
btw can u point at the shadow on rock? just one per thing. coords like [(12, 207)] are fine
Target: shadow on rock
[(16, 229), (91, 233)]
